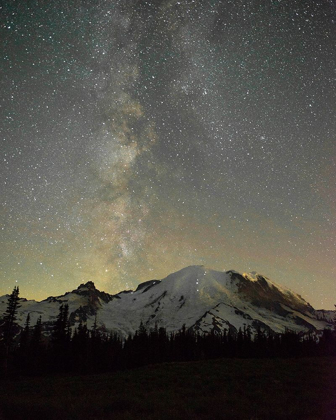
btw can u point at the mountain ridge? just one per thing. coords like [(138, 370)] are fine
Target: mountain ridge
[(197, 297)]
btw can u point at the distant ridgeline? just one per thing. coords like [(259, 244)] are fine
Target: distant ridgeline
[(194, 314)]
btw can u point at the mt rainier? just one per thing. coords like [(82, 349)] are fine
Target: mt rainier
[(197, 297)]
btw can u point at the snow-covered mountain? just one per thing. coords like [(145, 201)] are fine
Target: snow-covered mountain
[(200, 298)]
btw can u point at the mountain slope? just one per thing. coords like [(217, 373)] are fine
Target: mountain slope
[(197, 297)]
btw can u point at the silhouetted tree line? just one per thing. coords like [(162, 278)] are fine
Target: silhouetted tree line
[(90, 351)]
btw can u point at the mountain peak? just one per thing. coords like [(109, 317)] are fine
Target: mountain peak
[(88, 285), (196, 296)]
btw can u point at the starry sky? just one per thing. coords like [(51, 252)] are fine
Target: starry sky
[(140, 137)]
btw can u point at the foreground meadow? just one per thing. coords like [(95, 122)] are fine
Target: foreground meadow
[(214, 389)]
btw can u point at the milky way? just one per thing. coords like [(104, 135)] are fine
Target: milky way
[(139, 137)]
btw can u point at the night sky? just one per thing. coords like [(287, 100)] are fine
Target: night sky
[(140, 137)]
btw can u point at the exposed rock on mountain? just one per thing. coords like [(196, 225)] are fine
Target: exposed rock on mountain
[(197, 297)]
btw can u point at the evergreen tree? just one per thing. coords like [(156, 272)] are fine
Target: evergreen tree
[(80, 348), (9, 320), (61, 333), (10, 315), (142, 332), (95, 341), (36, 351), (25, 335), (60, 339), (37, 334), (94, 331)]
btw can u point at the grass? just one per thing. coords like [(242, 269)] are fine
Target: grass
[(217, 389)]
